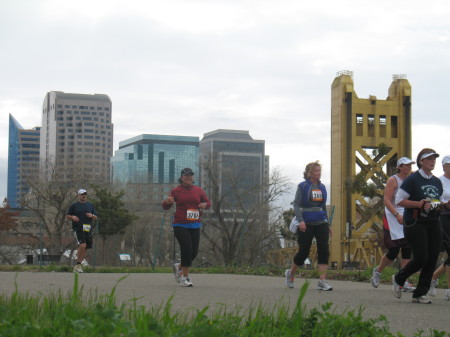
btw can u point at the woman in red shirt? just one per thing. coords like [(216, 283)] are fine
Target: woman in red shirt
[(190, 201)]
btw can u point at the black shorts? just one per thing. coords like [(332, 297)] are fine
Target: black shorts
[(84, 237), (389, 243)]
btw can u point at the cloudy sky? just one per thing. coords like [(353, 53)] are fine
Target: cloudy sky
[(189, 67)]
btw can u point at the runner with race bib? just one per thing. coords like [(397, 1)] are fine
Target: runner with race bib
[(190, 202)]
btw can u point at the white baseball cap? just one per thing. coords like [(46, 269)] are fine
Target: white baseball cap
[(81, 191), (446, 160), (405, 161), (429, 154)]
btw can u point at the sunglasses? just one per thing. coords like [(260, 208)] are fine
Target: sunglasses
[(83, 194)]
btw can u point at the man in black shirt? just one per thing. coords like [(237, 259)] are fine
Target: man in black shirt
[(82, 215)]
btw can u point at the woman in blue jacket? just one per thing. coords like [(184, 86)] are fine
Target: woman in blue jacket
[(310, 211)]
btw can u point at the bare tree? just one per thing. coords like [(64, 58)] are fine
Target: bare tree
[(48, 200), (8, 224), (240, 227), (149, 237)]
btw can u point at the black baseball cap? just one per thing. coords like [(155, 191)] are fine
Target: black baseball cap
[(187, 171)]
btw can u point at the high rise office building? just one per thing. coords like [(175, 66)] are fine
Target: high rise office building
[(154, 159), (77, 132), (23, 160), (238, 160)]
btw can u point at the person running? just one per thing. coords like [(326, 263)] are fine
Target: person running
[(445, 223), (190, 201), (310, 211), (82, 214), (394, 239), (419, 194)]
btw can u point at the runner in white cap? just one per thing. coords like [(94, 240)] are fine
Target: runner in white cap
[(445, 223), (394, 239), (419, 194)]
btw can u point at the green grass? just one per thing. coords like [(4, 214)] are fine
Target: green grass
[(78, 314)]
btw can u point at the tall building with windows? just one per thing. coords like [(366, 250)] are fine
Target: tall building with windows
[(154, 158), (238, 160), (77, 132), (23, 160), (150, 165)]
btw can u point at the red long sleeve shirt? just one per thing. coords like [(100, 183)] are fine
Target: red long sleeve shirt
[(187, 199)]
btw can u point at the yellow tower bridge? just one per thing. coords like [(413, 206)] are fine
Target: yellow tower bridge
[(368, 136)]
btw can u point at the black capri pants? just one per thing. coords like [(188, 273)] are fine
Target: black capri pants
[(188, 239), (322, 234), (445, 223)]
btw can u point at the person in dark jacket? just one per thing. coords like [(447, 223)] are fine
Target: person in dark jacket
[(310, 212)]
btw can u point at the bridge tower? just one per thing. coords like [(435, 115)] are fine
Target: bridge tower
[(368, 136)]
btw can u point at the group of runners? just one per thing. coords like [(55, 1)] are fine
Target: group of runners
[(416, 223)]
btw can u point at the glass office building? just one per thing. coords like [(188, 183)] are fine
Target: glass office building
[(23, 160), (240, 161), (154, 159)]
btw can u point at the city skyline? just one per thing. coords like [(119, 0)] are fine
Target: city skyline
[(188, 68)]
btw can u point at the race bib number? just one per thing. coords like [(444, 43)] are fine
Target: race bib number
[(192, 214), (317, 195), (435, 205), (86, 228)]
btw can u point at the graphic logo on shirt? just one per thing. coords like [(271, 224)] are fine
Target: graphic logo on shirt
[(317, 195), (430, 191)]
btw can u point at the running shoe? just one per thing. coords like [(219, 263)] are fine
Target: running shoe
[(323, 285), (432, 291), (396, 288), (421, 300), (408, 287), (186, 282), (447, 295), (289, 278), (376, 277), (177, 272), (78, 269)]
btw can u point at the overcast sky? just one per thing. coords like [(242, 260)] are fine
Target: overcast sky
[(189, 67)]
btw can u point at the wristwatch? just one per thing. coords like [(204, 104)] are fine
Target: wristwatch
[(396, 214)]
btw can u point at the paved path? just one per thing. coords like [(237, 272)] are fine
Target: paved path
[(241, 291)]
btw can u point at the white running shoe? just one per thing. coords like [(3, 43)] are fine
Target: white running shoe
[(396, 288), (323, 285), (177, 272), (432, 290), (186, 282), (78, 269), (421, 300), (289, 278), (447, 295), (408, 287), (376, 277)]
